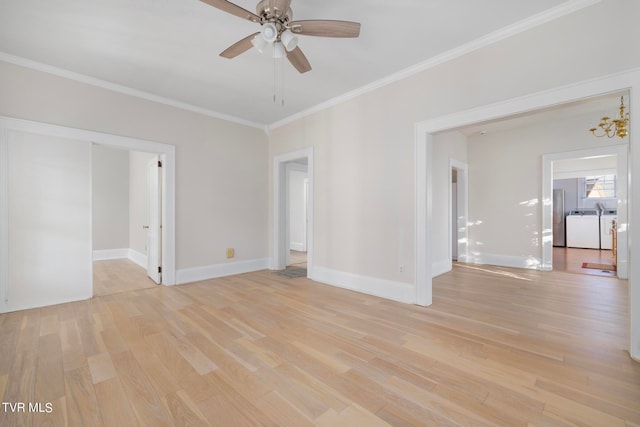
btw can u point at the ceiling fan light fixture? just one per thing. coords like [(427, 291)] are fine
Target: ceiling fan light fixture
[(269, 32), (289, 41), (259, 43), (278, 50)]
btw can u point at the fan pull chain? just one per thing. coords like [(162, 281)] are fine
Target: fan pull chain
[(277, 69)]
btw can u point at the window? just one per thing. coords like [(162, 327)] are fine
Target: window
[(599, 187)]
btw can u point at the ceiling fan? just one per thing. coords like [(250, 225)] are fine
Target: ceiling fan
[(280, 31)]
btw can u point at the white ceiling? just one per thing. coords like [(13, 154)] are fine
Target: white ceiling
[(169, 48)]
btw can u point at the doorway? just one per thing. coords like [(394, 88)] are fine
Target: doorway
[(610, 160), (297, 201), (424, 137), (82, 287), (127, 219), (293, 212), (458, 202)]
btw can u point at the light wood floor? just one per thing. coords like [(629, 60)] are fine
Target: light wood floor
[(498, 347), (119, 275), (298, 258), (570, 260)]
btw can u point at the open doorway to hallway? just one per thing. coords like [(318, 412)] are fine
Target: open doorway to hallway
[(127, 220), (293, 213), (297, 197), (587, 204)]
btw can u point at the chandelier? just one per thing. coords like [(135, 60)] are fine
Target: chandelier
[(613, 127)]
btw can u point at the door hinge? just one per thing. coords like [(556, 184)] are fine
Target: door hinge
[(159, 269), (159, 164)]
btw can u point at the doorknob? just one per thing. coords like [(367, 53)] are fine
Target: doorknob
[(146, 227)]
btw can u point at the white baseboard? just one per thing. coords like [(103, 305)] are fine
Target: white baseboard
[(529, 262), (123, 253), (105, 254), (441, 267), (188, 275), (294, 246), (396, 291), (137, 258)]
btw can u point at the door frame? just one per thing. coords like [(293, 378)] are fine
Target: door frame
[(462, 202), (166, 152), (280, 250), (292, 166), (155, 190), (621, 153), (424, 135)]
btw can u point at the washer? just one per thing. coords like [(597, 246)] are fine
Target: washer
[(583, 229)]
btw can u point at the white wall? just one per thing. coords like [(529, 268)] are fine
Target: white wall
[(505, 186), (368, 142), (110, 204), (221, 189), (297, 208), (49, 220)]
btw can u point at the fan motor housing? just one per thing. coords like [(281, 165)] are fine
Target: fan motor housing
[(264, 10)]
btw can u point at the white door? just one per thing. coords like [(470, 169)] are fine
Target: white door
[(154, 227)]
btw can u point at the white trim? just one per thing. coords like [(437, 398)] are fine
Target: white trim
[(441, 267), (297, 246), (424, 215), (196, 274), (107, 254), (463, 208), (396, 291), (621, 151), (526, 24), (132, 255), (166, 150), (93, 81), (626, 80), (138, 258), (280, 249), (529, 262), (479, 43), (4, 218)]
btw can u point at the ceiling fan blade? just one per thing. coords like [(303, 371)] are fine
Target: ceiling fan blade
[(298, 60), (238, 47), (279, 7), (233, 9), (326, 28)]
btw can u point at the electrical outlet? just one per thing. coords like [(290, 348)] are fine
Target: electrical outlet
[(231, 252), (401, 268)]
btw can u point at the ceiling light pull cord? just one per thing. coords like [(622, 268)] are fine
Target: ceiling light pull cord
[(275, 80)]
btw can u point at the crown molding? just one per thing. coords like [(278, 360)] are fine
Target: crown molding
[(531, 22), (549, 15), (93, 81)]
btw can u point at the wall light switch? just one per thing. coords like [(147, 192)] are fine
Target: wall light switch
[(231, 252)]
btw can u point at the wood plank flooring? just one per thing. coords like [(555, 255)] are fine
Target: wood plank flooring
[(119, 275), (498, 347), (571, 259), (298, 258)]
